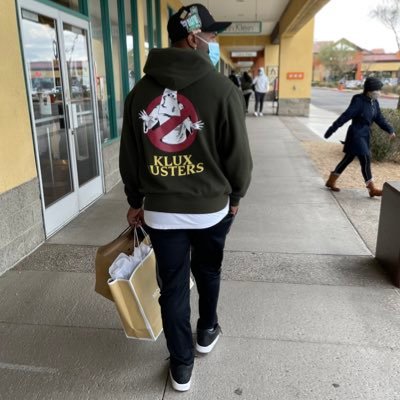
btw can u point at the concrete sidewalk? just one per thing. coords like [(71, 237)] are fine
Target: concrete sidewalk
[(306, 311)]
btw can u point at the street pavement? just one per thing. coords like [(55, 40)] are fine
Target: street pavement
[(306, 311)]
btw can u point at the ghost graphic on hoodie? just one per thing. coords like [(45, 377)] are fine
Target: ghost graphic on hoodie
[(169, 107)]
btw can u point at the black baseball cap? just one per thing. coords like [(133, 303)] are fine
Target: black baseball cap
[(192, 18)]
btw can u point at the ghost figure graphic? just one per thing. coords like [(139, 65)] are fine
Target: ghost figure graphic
[(168, 108)]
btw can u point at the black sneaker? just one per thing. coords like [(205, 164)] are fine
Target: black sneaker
[(207, 339), (181, 375)]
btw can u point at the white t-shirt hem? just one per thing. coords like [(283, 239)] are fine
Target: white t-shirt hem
[(162, 220)]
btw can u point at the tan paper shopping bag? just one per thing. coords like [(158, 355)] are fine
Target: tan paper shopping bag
[(136, 300), (106, 255)]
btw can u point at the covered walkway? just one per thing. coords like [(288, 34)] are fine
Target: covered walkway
[(305, 310)]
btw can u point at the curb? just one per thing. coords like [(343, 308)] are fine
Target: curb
[(383, 96)]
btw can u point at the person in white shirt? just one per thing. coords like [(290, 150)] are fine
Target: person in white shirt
[(260, 84)]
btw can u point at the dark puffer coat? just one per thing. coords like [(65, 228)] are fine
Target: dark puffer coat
[(363, 111)]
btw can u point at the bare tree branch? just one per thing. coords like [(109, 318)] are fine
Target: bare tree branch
[(388, 14)]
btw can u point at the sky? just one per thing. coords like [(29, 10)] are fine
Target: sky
[(350, 19)]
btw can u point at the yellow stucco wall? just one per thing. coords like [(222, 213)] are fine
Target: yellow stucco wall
[(17, 160), (248, 40), (296, 56)]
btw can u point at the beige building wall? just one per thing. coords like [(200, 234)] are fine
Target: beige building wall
[(17, 160), (296, 56)]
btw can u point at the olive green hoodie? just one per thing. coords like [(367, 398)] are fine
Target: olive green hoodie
[(184, 145)]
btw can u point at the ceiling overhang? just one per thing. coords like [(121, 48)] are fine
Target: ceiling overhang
[(277, 19)]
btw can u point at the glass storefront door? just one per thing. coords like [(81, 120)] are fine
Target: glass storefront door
[(60, 84)]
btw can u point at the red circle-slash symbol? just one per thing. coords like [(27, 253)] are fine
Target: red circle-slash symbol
[(156, 134)]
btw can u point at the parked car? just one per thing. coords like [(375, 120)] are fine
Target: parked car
[(353, 84)]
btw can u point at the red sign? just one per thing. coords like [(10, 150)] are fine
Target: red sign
[(295, 75)]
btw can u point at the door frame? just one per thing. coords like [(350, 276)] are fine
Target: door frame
[(53, 219)]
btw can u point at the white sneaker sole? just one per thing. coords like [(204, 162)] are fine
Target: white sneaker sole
[(180, 387), (207, 349)]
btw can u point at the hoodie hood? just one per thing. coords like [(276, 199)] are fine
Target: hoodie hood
[(177, 68)]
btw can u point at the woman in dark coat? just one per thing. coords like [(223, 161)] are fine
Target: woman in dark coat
[(363, 111), (247, 83)]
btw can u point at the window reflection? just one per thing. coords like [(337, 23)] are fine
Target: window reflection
[(41, 52), (72, 4), (146, 28), (100, 69), (129, 43), (119, 95), (81, 107)]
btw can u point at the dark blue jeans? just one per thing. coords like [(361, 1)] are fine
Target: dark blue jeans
[(259, 104), (177, 252), (365, 163)]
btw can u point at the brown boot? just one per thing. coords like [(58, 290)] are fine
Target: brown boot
[(330, 183), (373, 191)]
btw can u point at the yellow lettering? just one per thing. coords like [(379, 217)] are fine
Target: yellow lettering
[(190, 169), (181, 170), (154, 170), (200, 167), (164, 171), (176, 160), (166, 163), (157, 160), (172, 168), (187, 159)]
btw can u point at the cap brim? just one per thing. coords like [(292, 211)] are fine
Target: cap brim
[(217, 27)]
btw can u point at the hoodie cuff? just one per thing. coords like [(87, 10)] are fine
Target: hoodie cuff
[(136, 202), (234, 200)]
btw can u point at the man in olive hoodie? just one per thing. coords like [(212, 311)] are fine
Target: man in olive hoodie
[(185, 163)]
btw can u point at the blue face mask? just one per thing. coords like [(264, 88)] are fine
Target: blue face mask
[(213, 51)]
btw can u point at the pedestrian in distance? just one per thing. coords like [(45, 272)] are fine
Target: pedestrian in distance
[(363, 111), (246, 84), (260, 85), (234, 78), (185, 163)]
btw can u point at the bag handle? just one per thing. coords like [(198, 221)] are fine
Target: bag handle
[(125, 230), (136, 241), (145, 234)]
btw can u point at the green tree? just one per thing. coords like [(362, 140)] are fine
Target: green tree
[(338, 59)]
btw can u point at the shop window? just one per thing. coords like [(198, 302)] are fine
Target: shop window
[(72, 4), (146, 28), (129, 43), (100, 69), (153, 25), (116, 58)]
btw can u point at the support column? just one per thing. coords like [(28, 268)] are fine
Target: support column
[(295, 73)]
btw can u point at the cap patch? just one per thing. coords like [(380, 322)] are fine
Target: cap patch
[(191, 21)]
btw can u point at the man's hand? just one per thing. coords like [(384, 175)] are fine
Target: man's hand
[(135, 216), (392, 136), (233, 210)]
